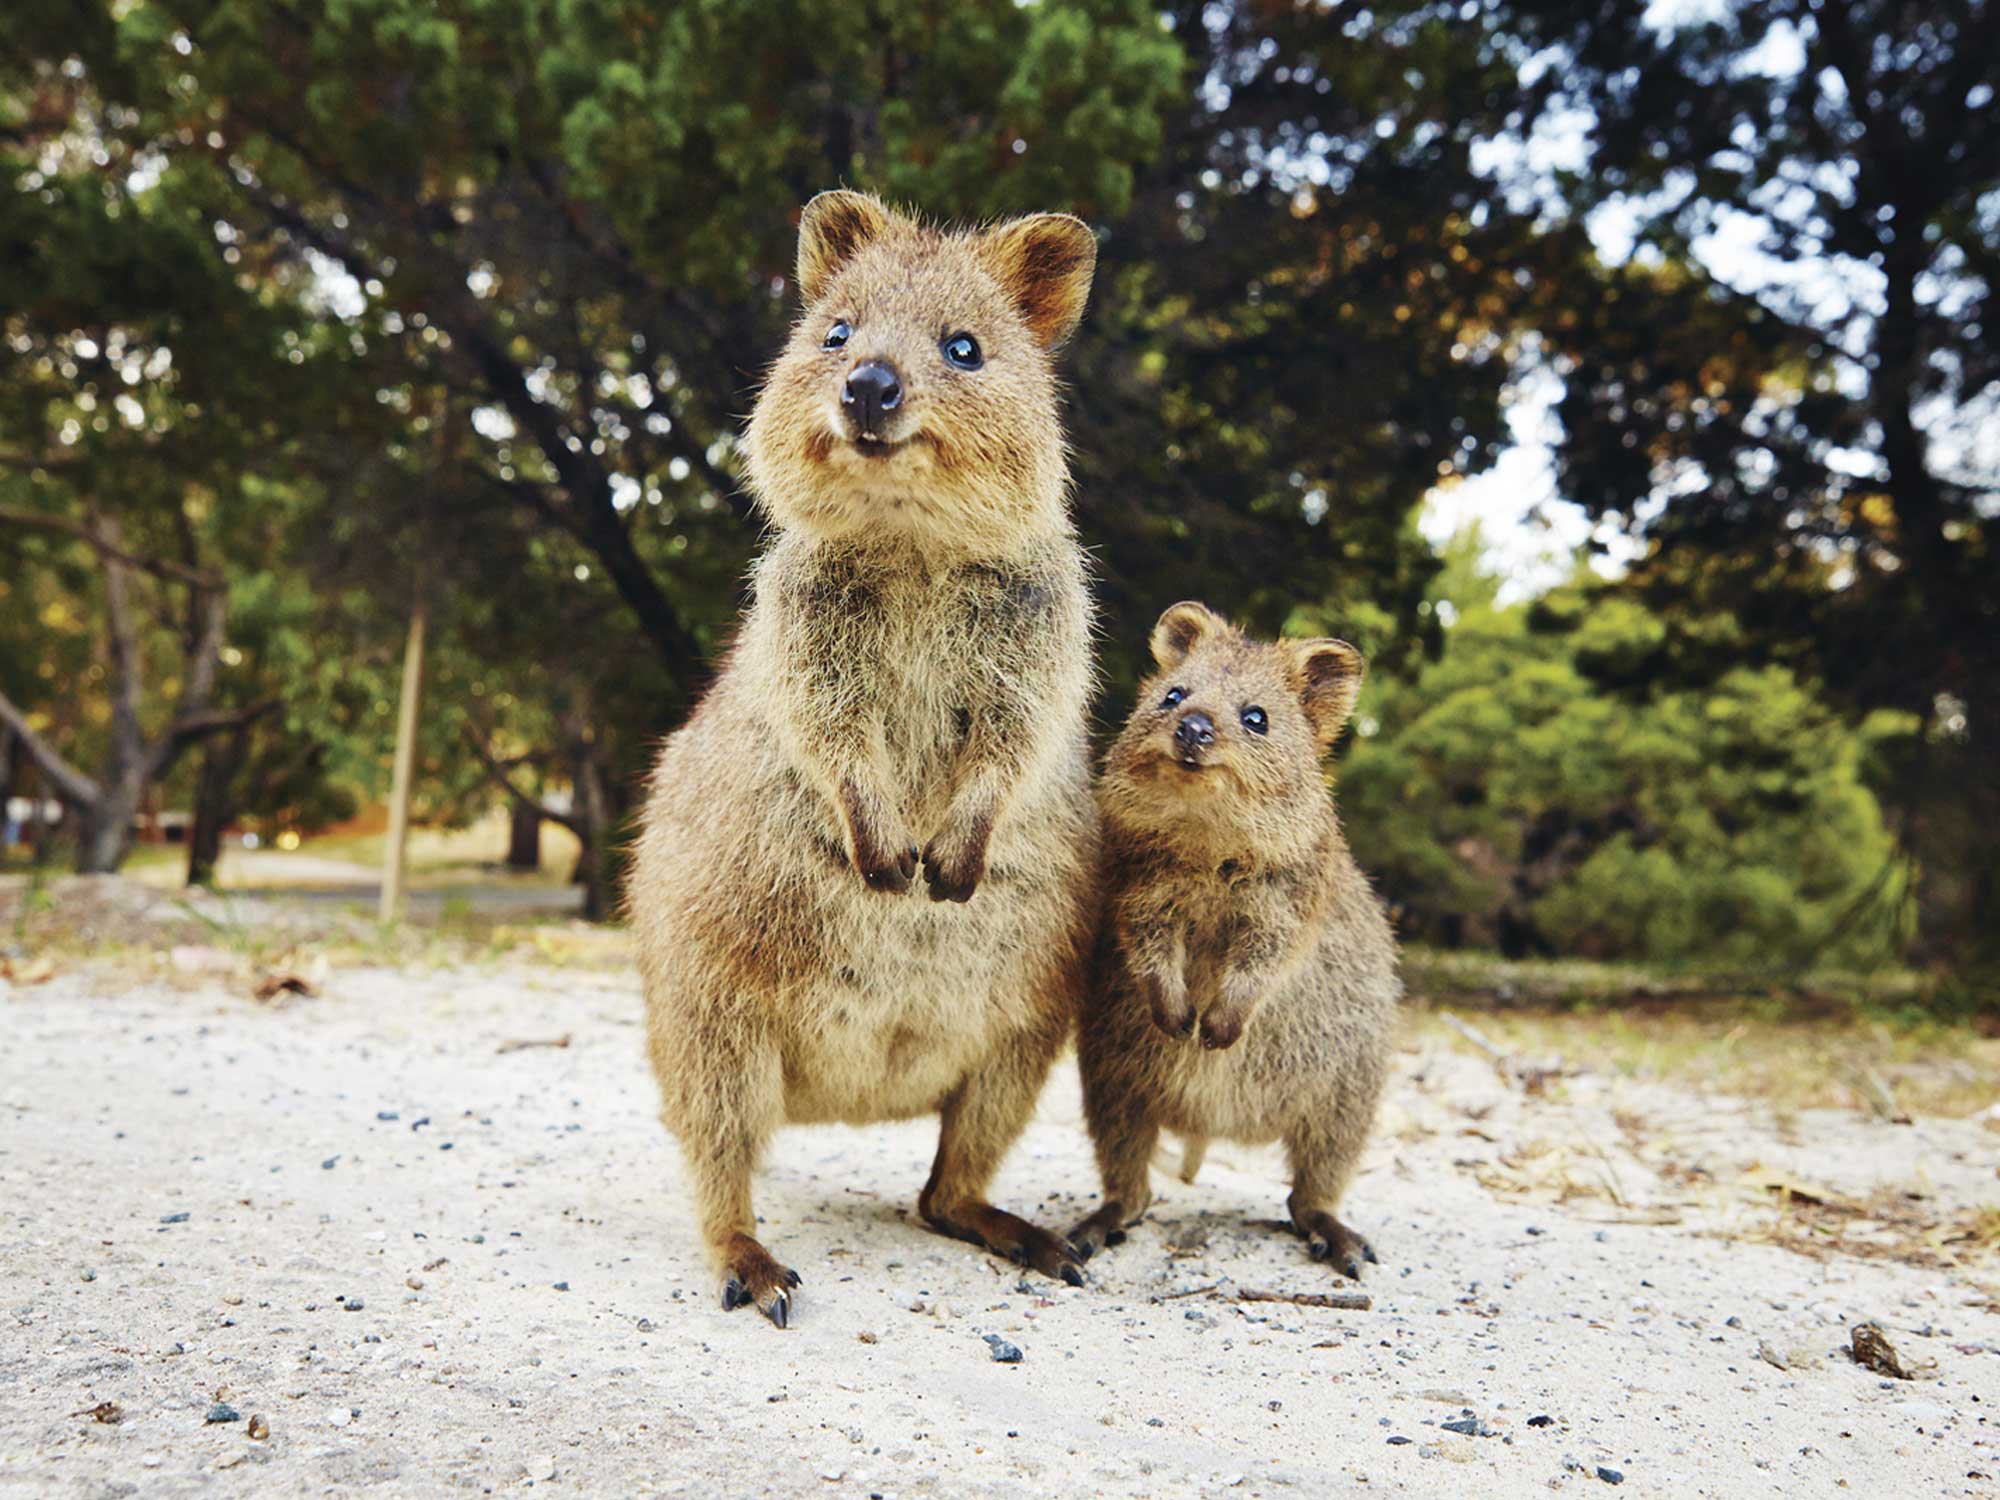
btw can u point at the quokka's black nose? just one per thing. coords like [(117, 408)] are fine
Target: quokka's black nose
[(1196, 730), (873, 390)]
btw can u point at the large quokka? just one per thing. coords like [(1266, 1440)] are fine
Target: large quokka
[(1245, 980), (864, 889)]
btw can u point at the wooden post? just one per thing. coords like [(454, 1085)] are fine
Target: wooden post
[(406, 766)]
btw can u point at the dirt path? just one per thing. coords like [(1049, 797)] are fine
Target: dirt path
[(431, 1265)]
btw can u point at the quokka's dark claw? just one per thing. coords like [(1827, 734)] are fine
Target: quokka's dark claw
[(1072, 1274), (780, 1312), (792, 1277), (734, 1295)]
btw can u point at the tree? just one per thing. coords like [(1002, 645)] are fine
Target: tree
[(509, 188), (1560, 782), (130, 399), (1798, 425), (1304, 322)]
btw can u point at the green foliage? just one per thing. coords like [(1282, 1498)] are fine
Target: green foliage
[(365, 301), (1523, 793), (1806, 429)]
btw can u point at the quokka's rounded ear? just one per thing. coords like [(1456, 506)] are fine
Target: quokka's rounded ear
[(1181, 628), (834, 228), (1045, 263), (1327, 676)]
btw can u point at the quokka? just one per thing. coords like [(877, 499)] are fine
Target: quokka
[(1244, 983), (864, 886)]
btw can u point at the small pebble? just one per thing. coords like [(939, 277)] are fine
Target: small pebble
[(1399, 1442), (86, 1274), (562, 1286), (387, 1114), (327, 1165), (340, 1416), (1004, 1353), (173, 1218), (222, 1411), (1154, 1422), (1542, 1421), (1609, 1476), (1469, 1426), (352, 1304), (259, 1429)]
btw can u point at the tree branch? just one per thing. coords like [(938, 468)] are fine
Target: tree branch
[(73, 784), (159, 567), (496, 772), (194, 726)]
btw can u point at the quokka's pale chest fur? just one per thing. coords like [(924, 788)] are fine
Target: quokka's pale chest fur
[(863, 886)]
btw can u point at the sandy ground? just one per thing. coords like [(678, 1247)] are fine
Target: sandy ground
[(429, 1264)]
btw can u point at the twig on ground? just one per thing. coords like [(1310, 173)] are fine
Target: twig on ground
[(1347, 1301), (1477, 1037), (521, 1044), (1193, 1291)]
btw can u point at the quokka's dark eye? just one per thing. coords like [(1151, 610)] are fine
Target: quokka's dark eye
[(1255, 720), (837, 336), (962, 349), (1175, 697)]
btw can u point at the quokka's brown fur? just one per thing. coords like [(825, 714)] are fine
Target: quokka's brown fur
[(1244, 983), (863, 888)]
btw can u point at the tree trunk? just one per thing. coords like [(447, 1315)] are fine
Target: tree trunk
[(214, 802), (524, 836), (7, 792), (593, 827), (104, 827), (405, 768)]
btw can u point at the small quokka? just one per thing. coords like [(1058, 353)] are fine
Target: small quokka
[(864, 885), (1244, 983)]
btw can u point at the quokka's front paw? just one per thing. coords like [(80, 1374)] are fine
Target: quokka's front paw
[(1173, 1011), (955, 860), (1221, 1025), (878, 846)]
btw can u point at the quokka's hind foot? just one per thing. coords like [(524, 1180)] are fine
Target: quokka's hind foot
[(752, 1276), (1101, 1231), (1332, 1241), (1012, 1236)]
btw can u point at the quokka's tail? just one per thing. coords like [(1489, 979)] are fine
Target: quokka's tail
[(1193, 1149)]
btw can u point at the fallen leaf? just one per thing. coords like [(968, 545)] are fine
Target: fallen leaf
[(271, 985), (1873, 1351), (108, 1412), (1796, 1191), (28, 971)]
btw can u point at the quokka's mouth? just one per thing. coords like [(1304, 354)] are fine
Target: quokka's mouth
[(879, 448)]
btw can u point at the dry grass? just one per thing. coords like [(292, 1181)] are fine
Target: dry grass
[(1828, 1061)]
